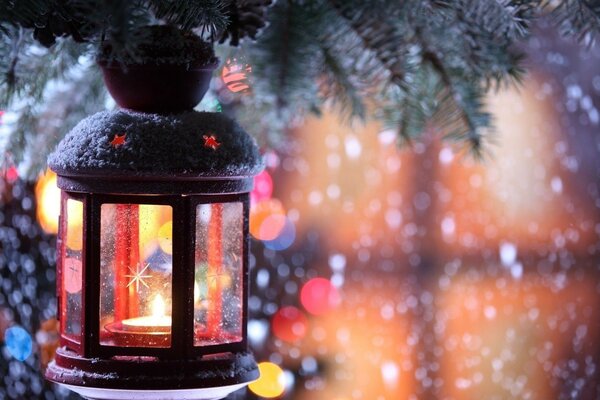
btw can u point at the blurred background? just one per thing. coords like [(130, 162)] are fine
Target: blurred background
[(386, 273)]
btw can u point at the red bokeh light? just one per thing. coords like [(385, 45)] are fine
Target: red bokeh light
[(289, 324), (318, 296), (11, 174), (263, 187)]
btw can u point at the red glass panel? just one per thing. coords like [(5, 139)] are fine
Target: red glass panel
[(218, 280), (136, 265), (72, 267)]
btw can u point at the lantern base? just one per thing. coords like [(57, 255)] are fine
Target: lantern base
[(182, 394), (150, 378)]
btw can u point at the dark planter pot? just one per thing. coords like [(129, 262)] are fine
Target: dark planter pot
[(157, 88)]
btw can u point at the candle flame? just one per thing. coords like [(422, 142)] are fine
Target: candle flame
[(158, 306)]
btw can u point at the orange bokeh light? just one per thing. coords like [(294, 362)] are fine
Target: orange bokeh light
[(267, 219), (47, 195), (165, 237)]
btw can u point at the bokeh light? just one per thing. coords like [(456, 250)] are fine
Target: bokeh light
[(271, 383), (74, 224), (271, 227), (73, 269), (11, 174), (289, 324), (150, 221), (318, 296), (263, 187), (267, 219), (18, 342), (165, 237), (285, 238), (47, 195)]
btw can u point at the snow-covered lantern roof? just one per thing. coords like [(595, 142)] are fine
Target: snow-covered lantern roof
[(153, 256)]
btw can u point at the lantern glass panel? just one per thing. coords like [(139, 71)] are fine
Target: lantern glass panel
[(218, 286), (72, 266), (136, 264)]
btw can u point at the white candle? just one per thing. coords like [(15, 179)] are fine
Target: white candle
[(158, 320)]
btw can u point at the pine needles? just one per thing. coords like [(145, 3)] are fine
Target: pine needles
[(413, 64)]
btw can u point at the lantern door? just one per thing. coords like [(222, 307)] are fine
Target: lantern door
[(137, 262), (71, 266)]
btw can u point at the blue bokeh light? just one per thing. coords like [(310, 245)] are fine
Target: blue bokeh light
[(18, 342), (285, 238)]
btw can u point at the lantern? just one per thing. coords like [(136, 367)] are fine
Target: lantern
[(153, 256)]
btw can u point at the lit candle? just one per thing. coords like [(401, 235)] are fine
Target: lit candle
[(157, 322)]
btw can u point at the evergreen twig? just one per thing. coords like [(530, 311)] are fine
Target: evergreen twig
[(417, 62)]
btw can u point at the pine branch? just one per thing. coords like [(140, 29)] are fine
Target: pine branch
[(206, 15), (32, 67), (378, 36), (425, 62), (286, 58), (338, 84), (38, 128), (580, 18), (466, 105), (246, 19)]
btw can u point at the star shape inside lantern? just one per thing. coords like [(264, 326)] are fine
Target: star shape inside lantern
[(138, 277), (118, 140), (211, 142)]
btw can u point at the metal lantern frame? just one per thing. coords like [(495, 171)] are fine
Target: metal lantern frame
[(98, 361)]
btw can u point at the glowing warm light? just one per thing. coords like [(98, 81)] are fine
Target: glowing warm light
[(158, 306), (165, 237), (196, 292), (267, 219), (149, 216), (47, 195), (74, 224), (289, 324), (158, 319), (271, 383), (318, 296), (223, 280)]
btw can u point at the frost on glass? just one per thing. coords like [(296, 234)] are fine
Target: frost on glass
[(135, 275), (72, 243), (218, 278)]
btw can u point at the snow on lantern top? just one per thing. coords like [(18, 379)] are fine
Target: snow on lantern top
[(126, 143)]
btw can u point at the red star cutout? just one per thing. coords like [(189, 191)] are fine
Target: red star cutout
[(118, 140), (211, 142)]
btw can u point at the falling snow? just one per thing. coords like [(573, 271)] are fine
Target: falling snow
[(386, 274)]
